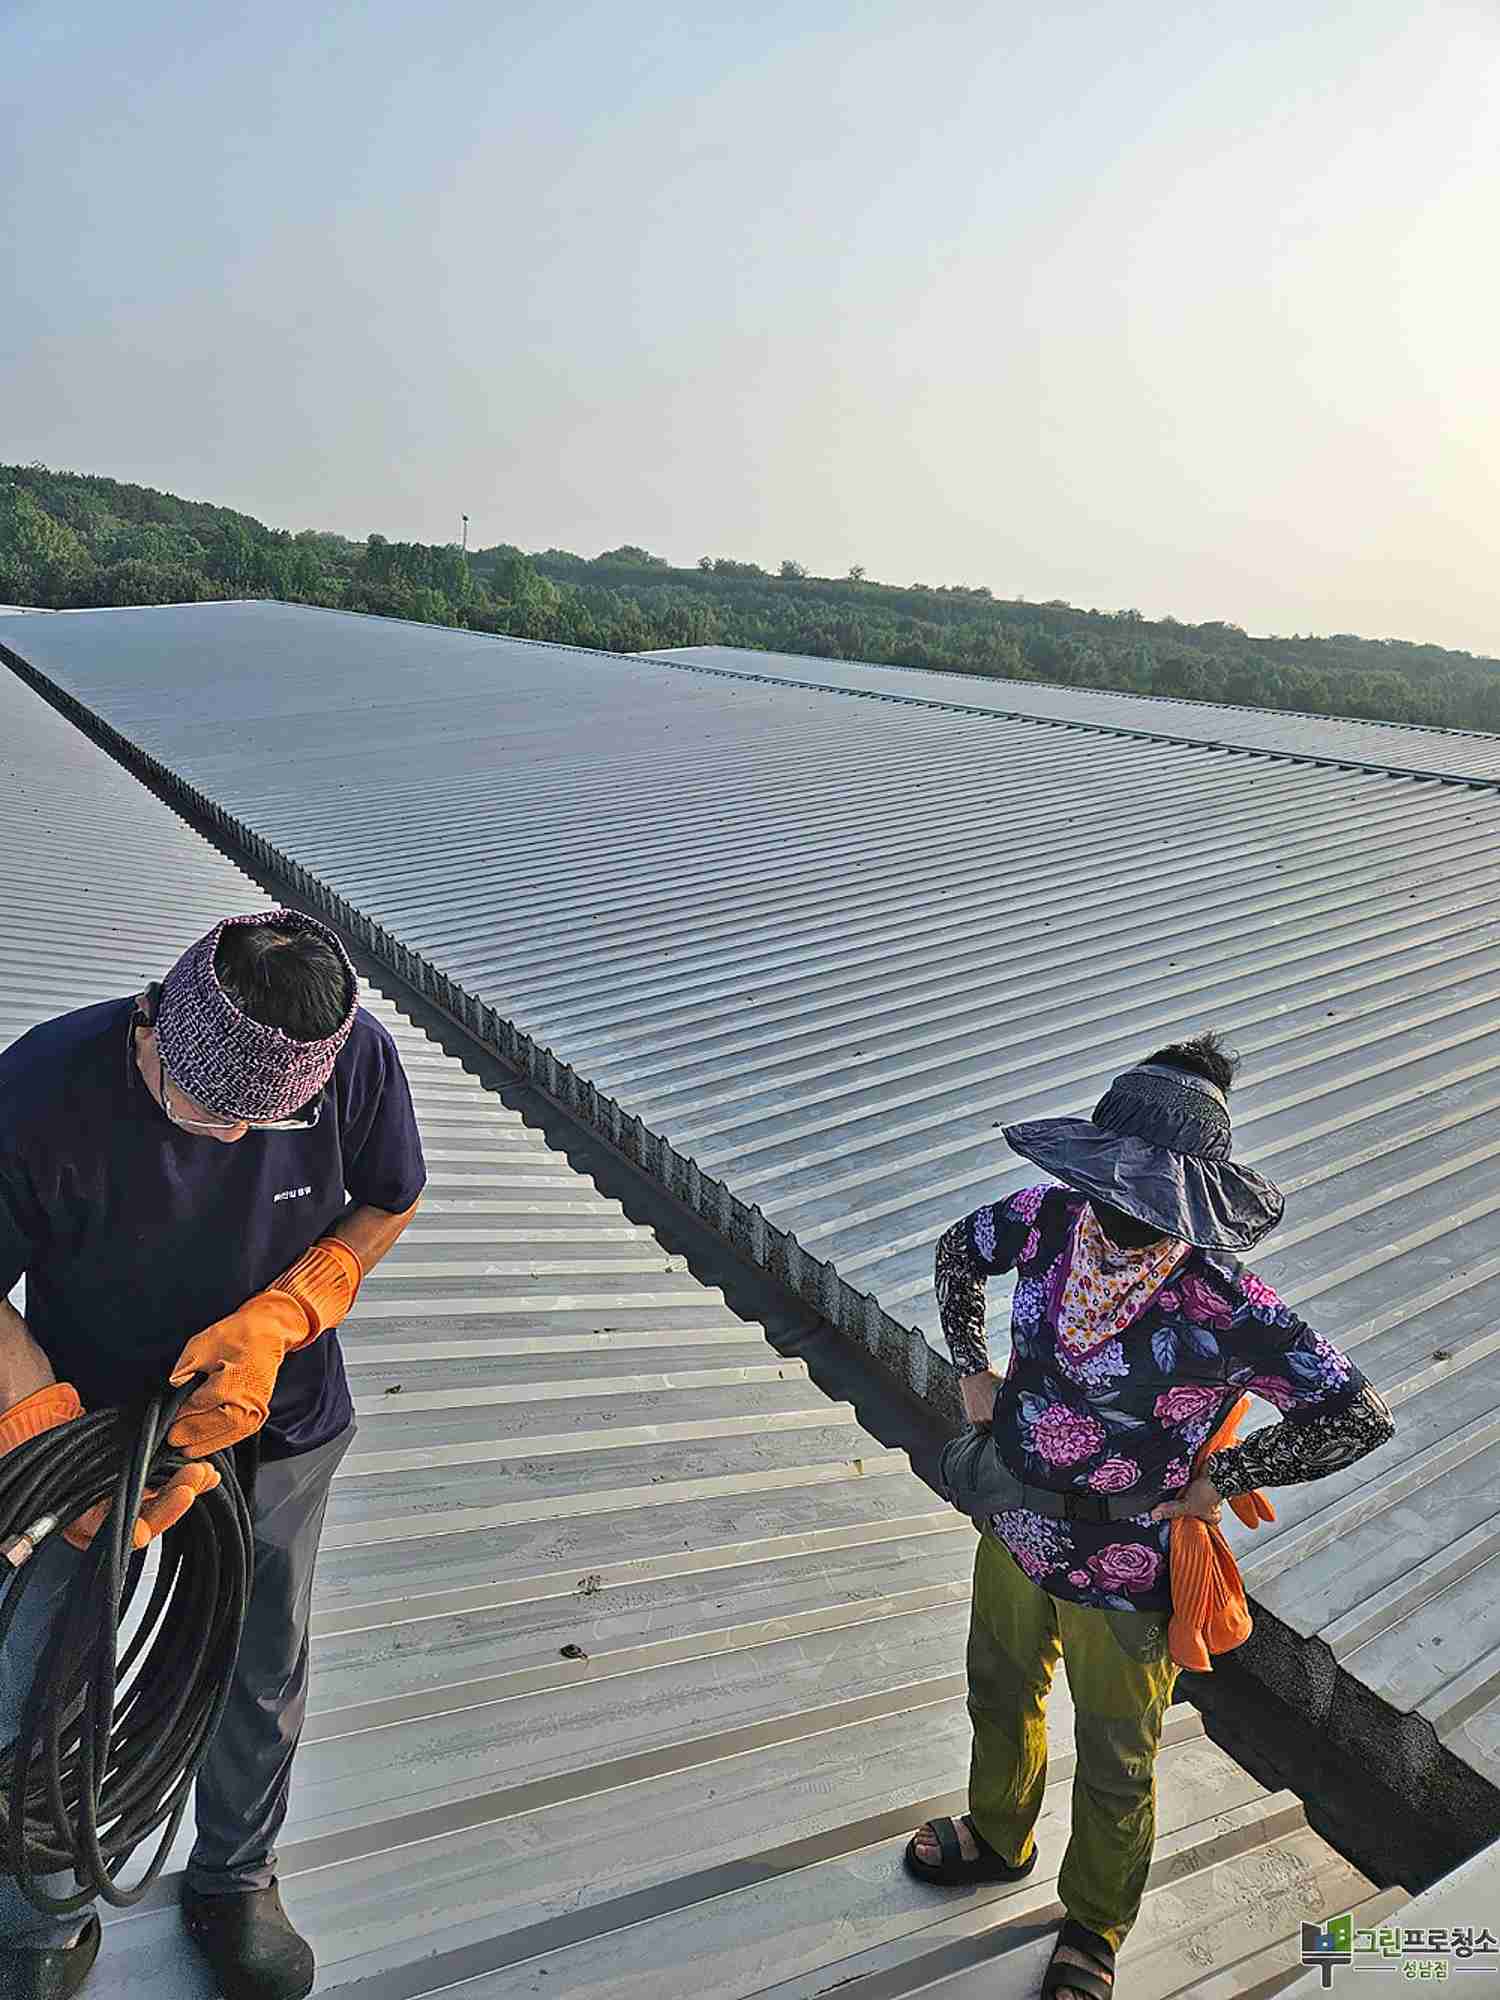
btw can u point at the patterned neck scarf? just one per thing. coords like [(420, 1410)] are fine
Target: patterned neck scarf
[(1107, 1287)]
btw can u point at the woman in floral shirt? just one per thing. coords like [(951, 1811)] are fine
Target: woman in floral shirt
[(1134, 1329)]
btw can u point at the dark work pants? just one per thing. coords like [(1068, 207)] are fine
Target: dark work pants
[(245, 1784)]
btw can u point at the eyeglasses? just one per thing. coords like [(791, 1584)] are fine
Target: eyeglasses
[(302, 1123)]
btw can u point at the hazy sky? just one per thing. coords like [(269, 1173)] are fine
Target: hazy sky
[(1189, 307)]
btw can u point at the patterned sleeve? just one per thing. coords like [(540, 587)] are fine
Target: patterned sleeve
[(982, 1245), (1299, 1449), (1331, 1416)]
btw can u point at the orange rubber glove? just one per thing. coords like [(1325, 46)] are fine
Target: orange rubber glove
[(48, 1410), (1210, 1613), (43, 1410), (242, 1353), (161, 1507)]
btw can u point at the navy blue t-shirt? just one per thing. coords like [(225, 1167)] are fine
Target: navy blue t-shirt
[(134, 1235)]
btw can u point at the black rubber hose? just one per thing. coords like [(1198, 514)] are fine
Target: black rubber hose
[(108, 1748)]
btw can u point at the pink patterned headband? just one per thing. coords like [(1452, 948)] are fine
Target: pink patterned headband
[(234, 1066)]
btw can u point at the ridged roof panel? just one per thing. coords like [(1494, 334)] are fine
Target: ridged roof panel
[(827, 945), (634, 1657), (1461, 753)]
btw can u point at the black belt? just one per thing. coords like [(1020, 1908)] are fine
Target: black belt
[(1097, 1508)]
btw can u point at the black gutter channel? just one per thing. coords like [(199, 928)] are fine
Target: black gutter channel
[(1379, 1786)]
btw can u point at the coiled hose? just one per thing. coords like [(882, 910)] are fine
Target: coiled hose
[(107, 1749)]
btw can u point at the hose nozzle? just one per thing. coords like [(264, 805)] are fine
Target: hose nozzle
[(19, 1549)]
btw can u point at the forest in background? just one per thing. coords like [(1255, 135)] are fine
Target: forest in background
[(73, 539)]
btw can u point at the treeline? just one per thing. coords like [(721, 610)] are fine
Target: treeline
[(70, 539)]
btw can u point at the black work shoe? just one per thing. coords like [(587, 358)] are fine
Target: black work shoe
[(49, 1975), (249, 1942)]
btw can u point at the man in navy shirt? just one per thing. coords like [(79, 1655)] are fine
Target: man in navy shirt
[(194, 1181)]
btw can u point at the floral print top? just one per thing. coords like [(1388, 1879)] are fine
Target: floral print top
[(1130, 1410)]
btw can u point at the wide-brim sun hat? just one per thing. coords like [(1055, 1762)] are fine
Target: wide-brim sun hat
[(230, 1063), (1157, 1148)]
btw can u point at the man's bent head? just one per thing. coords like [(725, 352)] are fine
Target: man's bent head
[(250, 1020)]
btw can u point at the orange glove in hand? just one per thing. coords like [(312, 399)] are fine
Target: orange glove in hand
[(48, 1410), (1210, 1613), (161, 1508), (43, 1410), (242, 1354)]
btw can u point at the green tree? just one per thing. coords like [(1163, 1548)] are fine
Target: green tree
[(628, 556), (42, 560), (139, 582), (516, 581), (231, 557)]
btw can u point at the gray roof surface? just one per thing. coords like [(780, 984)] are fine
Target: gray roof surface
[(827, 945), (1389, 745), (589, 1449)]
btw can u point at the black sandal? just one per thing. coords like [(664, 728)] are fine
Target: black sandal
[(1061, 1976), (954, 1870)]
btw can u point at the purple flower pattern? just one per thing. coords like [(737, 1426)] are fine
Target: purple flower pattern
[(1102, 1365), (1038, 1545), (1126, 1566), (1274, 1390), (1027, 1205), (1203, 1304), (1188, 1400), (1258, 1294), (1063, 1436), (1026, 1305)]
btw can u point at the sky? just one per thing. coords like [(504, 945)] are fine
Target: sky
[(1187, 308)]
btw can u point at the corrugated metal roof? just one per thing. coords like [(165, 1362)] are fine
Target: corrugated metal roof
[(1461, 753), (589, 1449), (826, 946)]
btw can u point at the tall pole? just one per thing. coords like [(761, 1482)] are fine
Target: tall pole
[(466, 535)]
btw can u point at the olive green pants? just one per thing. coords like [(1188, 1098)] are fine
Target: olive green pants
[(1121, 1676)]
